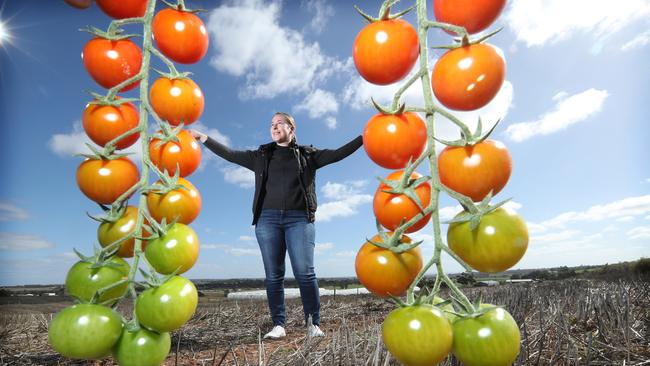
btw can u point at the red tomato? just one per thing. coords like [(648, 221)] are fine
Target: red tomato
[(467, 78), (386, 273), (110, 232), (385, 51), (103, 123), (180, 35), (391, 209), (186, 154), (79, 4), (474, 15), (104, 181), (391, 140), (177, 100), (475, 170), (112, 62), (120, 9), (183, 204)]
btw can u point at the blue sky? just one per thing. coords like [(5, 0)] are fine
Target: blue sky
[(574, 109)]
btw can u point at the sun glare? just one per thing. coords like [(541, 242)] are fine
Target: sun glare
[(4, 33)]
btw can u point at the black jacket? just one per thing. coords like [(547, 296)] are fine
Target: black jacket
[(309, 160)]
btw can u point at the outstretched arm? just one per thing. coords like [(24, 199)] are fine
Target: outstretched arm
[(245, 158), (328, 156)]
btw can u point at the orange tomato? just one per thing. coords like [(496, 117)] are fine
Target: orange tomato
[(111, 62), (110, 232), (186, 154), (474, 15), (180, 35), (184, 204), (177, 100), (104, 123), (104, 181), (390, 209), (391, 140)]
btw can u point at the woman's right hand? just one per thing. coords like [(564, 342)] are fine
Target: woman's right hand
[(198, 135)]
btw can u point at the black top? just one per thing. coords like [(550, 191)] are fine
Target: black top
[(283, 183), (308, 160)]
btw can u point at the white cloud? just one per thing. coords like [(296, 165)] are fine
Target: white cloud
[(347, 254), (625, 219), (246, 238), (322, 13), (537, 22), (639, 41), (12, 241), (69, 144), (250, 42), (555, 237), (632, 206), (319, 104), (239, 175), (347, 198), (568, 110), (11, 212), (639, 232), (322, 247), (234, 251)]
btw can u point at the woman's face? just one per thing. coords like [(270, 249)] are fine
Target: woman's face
[(280, 129)]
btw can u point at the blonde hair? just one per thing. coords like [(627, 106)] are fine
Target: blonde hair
[(289, 118)]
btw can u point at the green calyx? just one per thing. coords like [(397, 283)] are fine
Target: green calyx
[(474, 214), (384, 12), (112, 34), (475, 138)]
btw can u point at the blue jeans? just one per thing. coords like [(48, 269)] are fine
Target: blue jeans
[(279, 231)]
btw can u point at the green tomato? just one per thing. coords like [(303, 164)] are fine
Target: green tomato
[(177, 249), (498, 243), (168, 306), (83, 282), (417, 335), (85, 331), (142, 348), (492, 339), (445, 309)]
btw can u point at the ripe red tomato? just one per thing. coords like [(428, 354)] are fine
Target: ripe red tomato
[(79, 4), (386, 273), (142, 348), (112, 62), (474, 15), (104, 181), (178, 250), (391, 140), (390, 209), (475, 170), (186, 153), (498, 243), (110, 232), (183, 204), (83, 281), (417, 335), (177, 100), (467, 78), (492, 339), (103, 123), (168, 306), (385, 51), (120, 9), (180, 35), (85, 331)]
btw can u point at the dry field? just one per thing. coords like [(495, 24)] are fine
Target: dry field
[(571, 322)]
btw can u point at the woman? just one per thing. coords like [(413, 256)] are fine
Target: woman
[(284, 207)]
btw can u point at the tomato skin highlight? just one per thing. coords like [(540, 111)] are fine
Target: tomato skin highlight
[(142, 348), (492, 339), (467, 78), (386, 273), (177, 249), (391, 140), (417, 335), (104, 181), (85, 331), (180, 35), (385, 51), (390, 209), (181, 204), (104, 123), (475, 170), (83, 282), (186, 153), (111, 62), (498, 243), (121, 9), (167, 307), (177, 100), (473, 15), (110, 232)]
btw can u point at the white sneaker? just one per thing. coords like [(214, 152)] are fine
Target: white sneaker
[(276, 332), (314, 331)]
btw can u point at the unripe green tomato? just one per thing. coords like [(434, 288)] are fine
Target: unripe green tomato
[(142, 348), (83, 282), (168, 306)]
